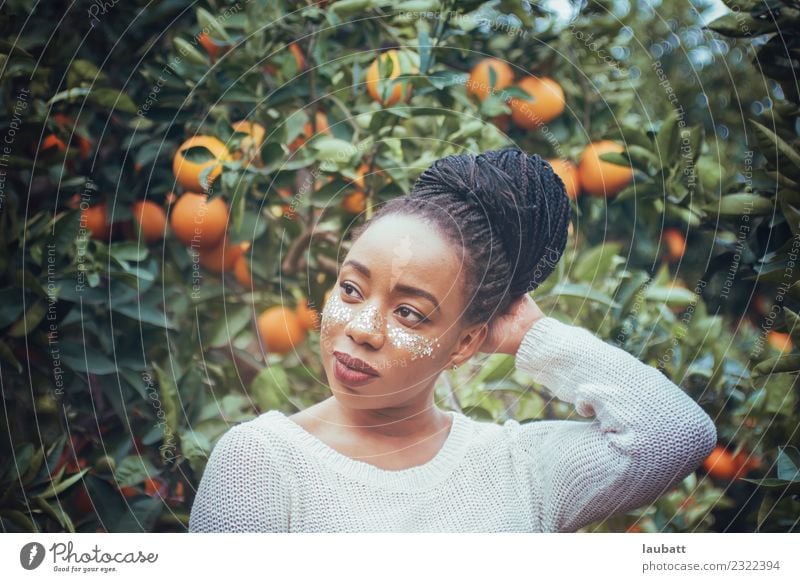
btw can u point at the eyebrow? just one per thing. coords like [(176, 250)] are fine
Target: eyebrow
[(399, 287)]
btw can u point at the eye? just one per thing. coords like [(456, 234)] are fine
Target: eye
[(345, 286), (422, 318)]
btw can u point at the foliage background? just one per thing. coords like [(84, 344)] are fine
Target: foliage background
[(114, 394)]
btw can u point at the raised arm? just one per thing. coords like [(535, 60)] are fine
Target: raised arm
[(242, 488), (647, 434)]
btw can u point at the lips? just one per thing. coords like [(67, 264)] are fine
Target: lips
[(355, 363)]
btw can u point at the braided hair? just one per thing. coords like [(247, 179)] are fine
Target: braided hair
[(506, 209)]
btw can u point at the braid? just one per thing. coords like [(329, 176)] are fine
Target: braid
[(509, 213)]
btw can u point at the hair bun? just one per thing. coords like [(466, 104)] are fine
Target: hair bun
[(523, 198)]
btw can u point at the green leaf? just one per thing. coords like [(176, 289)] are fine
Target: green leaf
[(227, 327), (81, 70), (348, 7), (270, 388), (788, 463), (741, 26), (739, 204), (83, 358), (20, 519), (581, 291), (787, 150), (616, 158), (113, 100), (596, 262), (667, 140), (777, 365), (671, 296), (56, 488), (65, 231), (145, 309), (133, 470), (190, 53), (196, 448), (209, 23), (332, 149), (128, 251), (496, 367), (169, 399), (57, 514), (8, 356), (29, 321)]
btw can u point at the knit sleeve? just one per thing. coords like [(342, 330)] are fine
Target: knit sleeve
[(647, 434), (242, 488)]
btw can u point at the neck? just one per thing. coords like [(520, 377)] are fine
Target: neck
[(406, 420)]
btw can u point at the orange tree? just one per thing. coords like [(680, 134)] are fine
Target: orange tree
[(184, 181)]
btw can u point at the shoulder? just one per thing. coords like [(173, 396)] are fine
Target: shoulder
[(260, 435)]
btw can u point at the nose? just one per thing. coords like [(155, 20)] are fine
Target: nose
[(368, 326)]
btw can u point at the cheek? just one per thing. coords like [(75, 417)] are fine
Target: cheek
[(418, 346), (335, 315)]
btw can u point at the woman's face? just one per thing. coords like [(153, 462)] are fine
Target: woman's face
[(396, 306)]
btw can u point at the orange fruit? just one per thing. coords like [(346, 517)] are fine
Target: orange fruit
[(194, 219), (547, 102), (376, 85), (214, 48), (53, 141), (780, 341), (355, 203), (676, 244), (308, 132), (151, 218), (762, 304), (599, 178), (287, 211), (188, 172), (479, 83), (743, 464), (721, 464), (95, 218), (280, 329), (299, 58), (73, 202), (255, 134), (222, 257), (84, 145), (128, 491), (568, 172), (241, 271), (250, 145), (634, 528), (308, 316), (155, 486)]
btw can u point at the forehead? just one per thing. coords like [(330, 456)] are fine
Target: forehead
[(409, 250)]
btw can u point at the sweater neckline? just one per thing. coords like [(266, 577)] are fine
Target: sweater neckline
[(421, 476)]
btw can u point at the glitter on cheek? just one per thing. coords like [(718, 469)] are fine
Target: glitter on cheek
[(416, 344), (336, 312)]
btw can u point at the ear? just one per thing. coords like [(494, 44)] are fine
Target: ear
[(471, 339)]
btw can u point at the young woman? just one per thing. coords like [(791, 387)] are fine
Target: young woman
[(431, 279)]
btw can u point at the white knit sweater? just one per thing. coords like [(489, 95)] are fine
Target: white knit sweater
[(270, 475)]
